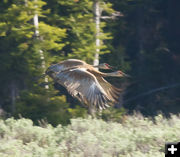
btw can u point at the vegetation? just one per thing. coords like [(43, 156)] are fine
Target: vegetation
[(66, 30), (140, 37), (135, 136), (143, 42)]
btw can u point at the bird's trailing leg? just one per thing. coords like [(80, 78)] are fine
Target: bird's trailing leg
[(92, 111)]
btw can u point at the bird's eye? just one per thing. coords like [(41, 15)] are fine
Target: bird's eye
[(107, 64)]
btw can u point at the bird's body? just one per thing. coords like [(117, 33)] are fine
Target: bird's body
[(69, 63), (85, 82)]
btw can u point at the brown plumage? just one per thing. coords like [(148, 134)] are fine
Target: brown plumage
[(69, 63), (85, 83)]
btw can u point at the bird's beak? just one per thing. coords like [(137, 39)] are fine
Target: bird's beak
[(126, 75)]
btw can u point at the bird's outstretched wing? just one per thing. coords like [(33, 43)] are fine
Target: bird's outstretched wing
[(70, 63), (111, 91), (84, 86)]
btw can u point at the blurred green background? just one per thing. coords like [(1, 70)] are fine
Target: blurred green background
[(143, 42)]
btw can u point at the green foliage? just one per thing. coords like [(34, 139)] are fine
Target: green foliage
[(78, 111), (81, 34), (137, 136), (113, 114), (18, 43), (66, 30), (22, 62), (43, 105), (79, 20), (145, 42), (52, 37)]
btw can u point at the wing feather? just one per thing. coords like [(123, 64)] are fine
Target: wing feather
[(112, 92), (69, 63), (84, 86)]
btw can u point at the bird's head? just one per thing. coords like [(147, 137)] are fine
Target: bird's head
[(119, 73), (105, 66)]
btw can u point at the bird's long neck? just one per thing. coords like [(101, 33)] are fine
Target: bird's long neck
[(111, 74), (101, 74), (94, 71)]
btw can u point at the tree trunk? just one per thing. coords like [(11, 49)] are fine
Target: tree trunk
[(97, 16), (43, 63), (13, 94)]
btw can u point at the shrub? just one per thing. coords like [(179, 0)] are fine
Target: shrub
[(137, 136)]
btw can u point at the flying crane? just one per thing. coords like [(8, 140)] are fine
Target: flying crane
[(84, 82)]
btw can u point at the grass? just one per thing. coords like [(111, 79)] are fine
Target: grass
[(137, 136)]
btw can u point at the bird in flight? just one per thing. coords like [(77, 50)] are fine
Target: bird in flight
[(84, 82)]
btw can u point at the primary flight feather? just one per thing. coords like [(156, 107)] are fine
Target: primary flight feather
[(86, 83)]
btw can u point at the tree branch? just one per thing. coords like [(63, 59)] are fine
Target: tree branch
[(152, 91)]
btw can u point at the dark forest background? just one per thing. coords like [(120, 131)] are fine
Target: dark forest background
[(143, 42)]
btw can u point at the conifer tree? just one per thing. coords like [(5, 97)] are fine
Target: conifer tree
[(78, 17), (20, 55)]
